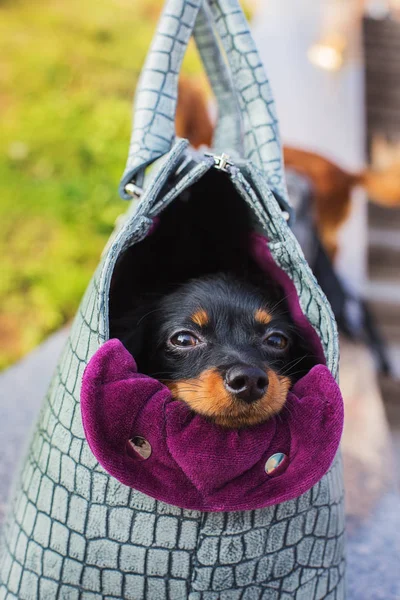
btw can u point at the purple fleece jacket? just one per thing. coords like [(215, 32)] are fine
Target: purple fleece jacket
[(194, 463)]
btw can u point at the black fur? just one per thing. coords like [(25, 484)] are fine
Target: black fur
[(232, 335)]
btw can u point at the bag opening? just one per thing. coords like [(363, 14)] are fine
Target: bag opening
[(208, 229), (203, 231), (152, 441)]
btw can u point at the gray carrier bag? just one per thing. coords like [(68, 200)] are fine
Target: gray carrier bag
[(75, 532)]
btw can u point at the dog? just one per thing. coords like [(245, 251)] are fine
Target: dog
[(192, 120), (332, 189), (226, 347)]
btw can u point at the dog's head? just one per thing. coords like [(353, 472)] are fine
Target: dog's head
[(226, 348)]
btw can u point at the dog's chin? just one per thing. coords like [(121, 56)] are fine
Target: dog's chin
[(241, 414), (249, 416), (223, 408)]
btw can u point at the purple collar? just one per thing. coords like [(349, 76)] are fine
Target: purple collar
[(181, 458)]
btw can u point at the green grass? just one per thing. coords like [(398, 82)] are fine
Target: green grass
[(68, 70)]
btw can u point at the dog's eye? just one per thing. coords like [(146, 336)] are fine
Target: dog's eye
[(184, 339), (276, 340)]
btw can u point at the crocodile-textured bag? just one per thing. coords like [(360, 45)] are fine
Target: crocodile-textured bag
[(74, 531)]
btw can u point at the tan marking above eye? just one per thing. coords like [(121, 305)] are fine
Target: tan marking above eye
[(200, 318), (263, 316)]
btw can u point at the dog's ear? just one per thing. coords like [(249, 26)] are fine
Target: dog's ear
[(133, 329), (133, 336)]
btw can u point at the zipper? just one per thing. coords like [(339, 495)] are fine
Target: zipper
[(221, 162)]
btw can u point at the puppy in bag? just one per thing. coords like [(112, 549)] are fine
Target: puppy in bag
[(188, 445)]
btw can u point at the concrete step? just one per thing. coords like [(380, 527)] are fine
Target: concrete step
[(384, 239), (384, 254), (384, 218), (394, 350), (384, 302), (390, 332), (390, 389), (384, 294), (384, 264)]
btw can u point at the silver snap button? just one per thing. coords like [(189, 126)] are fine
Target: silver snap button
[(274, 462), (141, 446)]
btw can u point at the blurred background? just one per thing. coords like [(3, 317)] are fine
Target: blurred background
[(67, 74)]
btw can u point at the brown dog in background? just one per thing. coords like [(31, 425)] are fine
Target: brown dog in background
[(192, 118), (332, 185)]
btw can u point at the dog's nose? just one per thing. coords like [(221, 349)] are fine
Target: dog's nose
[(247, 383)]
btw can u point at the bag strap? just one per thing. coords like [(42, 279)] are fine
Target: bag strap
[(156, 94), (250, 84), (228, 134), (156, 97)]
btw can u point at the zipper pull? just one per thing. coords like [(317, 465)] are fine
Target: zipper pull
[(221, 162)]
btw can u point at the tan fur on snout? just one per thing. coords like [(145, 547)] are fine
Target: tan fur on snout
[(208, 396)]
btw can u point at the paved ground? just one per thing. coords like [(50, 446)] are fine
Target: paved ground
[(22, 388)]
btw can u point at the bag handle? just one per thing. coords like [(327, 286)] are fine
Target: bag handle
[(156, 98), (250, 83), (228, 134), (153, 130)]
